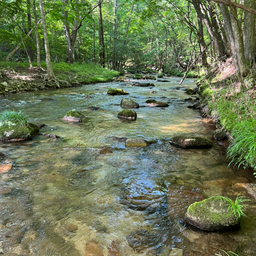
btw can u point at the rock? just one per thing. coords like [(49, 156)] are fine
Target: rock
[(92, 248), (136, 143), (190, 91), (144, 195), (105, 151), (127, 114), (143, 84), (212, 214), (141, 240), (153, 92), (114, 249), (150, 101), (5, 166), (163, 80), (250, 187), (128, 103), (187, 142), (18, 132), (52, 136), (176, 252), (73, 116), (119, 139), (220, 134), (113, 91), (195, 106)]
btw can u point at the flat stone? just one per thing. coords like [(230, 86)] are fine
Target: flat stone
[(187, 142), (128, 103), (136, 143)]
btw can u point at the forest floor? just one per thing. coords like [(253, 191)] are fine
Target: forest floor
[(18, 77)]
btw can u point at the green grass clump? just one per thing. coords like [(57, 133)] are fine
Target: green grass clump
[(13, 117), (227, 253)]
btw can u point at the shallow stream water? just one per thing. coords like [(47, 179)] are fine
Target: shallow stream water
[(68, 196)]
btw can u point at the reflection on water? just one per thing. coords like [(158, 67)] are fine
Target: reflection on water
[(68, 196)]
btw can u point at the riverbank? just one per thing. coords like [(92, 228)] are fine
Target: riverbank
[(18, 77), (231, 103)]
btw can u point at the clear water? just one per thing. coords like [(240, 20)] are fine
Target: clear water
[(63, 197)]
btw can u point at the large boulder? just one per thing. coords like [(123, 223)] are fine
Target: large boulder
[(127, 114), (113, 91), (128, 103), (212, 214), (12, 132), (187, 142), (73, 116)]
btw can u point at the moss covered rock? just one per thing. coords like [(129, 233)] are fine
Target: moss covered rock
[(191, 91), (212, 214), (127, 114), (113, 91), (73, 116), (128, 103), (187, 142), (12, 132)]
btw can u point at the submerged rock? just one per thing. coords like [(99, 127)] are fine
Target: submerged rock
[(212, 214), (11, 132), (128, 103), (136, 143), (154, 103), (73, 116), (143, 84), (127, 114), (163, 80), (142, 239), (187, 142), (113, 91)]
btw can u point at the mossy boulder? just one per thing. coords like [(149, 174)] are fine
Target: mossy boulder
[(73, 116), (11, 132), (127, 114), (128, 103), (150, 101), (136, 143), (212, 214), (187, 142), (113, 91), (190, 91)]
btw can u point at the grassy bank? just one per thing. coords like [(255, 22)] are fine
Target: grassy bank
[(232, 104), (17, 76)]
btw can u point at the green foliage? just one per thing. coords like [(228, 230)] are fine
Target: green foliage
[(227, 253), (13, 117), (236, 206)]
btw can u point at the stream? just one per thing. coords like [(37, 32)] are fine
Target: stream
[(86, 194)]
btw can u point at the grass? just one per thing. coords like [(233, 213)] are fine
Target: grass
[(236, 206), (13, 117), (227, 253), (85, 73)]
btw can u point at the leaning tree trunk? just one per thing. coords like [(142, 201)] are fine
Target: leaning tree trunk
[(46, 42)]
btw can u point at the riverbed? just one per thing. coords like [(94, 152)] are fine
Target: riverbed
[(86, 193)]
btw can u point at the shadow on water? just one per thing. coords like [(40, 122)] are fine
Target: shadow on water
[(86, 193)]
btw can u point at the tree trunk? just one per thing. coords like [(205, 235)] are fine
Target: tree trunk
[(30, 50), (38, 53), (46, 43), (114, 59), (249, 33), (238, 39), (101, 38)]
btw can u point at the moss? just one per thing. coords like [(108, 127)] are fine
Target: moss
[(205, 210), (18, 131), (113, 91), (74, 113), (126, 112)]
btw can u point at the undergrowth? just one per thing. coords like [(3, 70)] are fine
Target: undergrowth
[(237, 114), (13, 117)]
